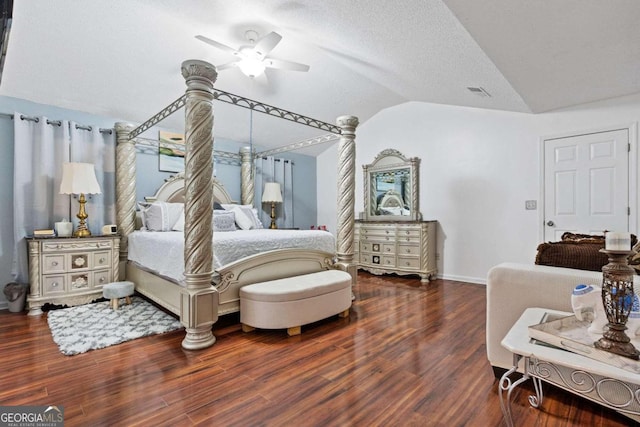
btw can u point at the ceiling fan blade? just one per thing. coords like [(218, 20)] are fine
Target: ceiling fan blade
[(285, 65), (266, 44), (232, 64), (217, 44)]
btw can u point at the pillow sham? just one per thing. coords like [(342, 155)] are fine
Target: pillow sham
[(243, 221), (160, 216), (223, 220), (249, 211)]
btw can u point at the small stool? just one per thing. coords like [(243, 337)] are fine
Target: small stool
[(116, 290)]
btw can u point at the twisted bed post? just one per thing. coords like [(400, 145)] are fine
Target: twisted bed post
[(199, 301), (246, 173), (125, 189), (346, 195)]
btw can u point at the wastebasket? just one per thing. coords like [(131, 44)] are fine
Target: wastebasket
[(16, 294)]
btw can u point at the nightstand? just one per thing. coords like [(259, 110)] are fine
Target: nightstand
[(70, 270)]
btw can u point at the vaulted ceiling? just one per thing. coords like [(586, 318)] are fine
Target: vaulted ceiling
[(121, 58)]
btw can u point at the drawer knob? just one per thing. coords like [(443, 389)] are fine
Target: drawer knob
[(54, 285), (54, 263), (102, 260), (388, 249), (386, 231), (387, 238), (408, 240), (407, 263), (407, 231), (101, 279), (408, 251)]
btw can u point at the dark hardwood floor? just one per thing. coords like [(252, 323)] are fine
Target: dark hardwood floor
[(408, 355)]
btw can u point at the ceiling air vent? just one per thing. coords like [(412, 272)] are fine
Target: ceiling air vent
[(479, 91)]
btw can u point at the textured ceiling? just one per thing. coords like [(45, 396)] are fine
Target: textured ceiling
[(122, 58)]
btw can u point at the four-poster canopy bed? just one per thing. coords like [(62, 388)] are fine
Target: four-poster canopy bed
[(207, 291)]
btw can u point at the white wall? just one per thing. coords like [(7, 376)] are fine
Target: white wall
[(478, 168)]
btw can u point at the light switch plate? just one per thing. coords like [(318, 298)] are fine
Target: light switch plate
[(531, 205)]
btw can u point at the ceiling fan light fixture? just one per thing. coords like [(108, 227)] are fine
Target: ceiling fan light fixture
[(251, 67)]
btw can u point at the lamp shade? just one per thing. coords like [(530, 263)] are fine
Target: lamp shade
[(271, 193), (79, 178)]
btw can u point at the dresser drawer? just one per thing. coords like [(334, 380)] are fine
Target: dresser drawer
[(78, 281), (53, 264), (101, 259), (388, 261), (378, 238), (389, 249), (53, 284), (378, 231), (408, 250), (365, 258), (79, 262), (409, 232), (409, 263), (101, 278)]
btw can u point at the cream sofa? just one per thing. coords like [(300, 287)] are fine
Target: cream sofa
[(511, 288)]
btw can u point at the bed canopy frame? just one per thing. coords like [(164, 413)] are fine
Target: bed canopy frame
[(199, 298)]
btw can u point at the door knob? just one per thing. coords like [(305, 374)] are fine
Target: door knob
[(551, 223)]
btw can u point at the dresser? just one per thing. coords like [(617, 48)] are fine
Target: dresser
[(401, 247), (70, 270)]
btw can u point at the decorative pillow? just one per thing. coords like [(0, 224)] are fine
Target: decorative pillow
[(224, 220), (160, 216), (579, 251), (572, 254), (217, 206), (249, 211), (243, 221), (179, 225)]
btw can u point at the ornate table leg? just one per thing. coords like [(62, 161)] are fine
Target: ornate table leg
[(507, 385), (536, 401)]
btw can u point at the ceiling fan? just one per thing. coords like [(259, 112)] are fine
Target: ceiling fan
[(252, 59)]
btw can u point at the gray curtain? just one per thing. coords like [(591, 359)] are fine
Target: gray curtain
[(271, 169), (41, 148)]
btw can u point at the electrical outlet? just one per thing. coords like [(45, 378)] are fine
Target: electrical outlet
[(531, 205)]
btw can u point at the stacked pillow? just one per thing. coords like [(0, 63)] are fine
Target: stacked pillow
[(246, 216), (165, 216)]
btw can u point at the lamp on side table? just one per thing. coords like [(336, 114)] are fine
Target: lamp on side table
[(273, 195)]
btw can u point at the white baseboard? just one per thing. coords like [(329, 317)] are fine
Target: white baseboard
[(476, 280)]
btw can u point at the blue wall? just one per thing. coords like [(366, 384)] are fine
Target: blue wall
[(148, 176)]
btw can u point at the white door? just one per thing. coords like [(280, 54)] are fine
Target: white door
[(586, 184)]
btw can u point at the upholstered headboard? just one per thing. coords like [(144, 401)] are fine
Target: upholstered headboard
[(173, 191)]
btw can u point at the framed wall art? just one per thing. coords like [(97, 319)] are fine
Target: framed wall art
[(171, 150)]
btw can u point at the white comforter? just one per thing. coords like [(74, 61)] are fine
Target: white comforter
[(163, 252)]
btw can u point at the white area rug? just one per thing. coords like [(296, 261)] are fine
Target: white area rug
[(93, 326)]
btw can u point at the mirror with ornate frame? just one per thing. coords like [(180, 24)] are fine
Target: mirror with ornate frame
[(391, 187)]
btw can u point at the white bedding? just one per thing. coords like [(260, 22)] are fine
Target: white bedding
[(163, 252)]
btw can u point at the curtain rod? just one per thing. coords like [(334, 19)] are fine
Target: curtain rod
[(277, 159), (55, 122)]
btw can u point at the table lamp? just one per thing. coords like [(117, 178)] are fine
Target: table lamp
[(80, 178), (272, 195)]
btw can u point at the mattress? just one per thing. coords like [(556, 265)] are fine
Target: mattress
[(162, 252)]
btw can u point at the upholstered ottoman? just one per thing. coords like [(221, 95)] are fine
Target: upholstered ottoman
[(116, 290), (295, 301)]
